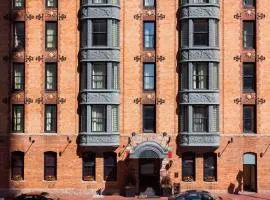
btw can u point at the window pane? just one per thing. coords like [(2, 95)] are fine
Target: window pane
[(215, 117), (200, 32), (115, 79), (18, 118), (188, 167), (200, 119), (19, 37), (216, 24), (83, 118), (149, 119), (89, 165), (184, 119), (115, 33), (149, 34), (51, 35), (184, 33), (149, 3), (110, 168), (18, 3), (99, 75), (99, 1), (201, 1), (18, 79), (249, 3), (17, 165), (149, 76), (184, 76), (200, 75), (99, 32), (215, 76), (98, 118), (210, 166), (249, 119), (50, 118), (115, 118), (50, 165), (51, 3), (51, 76), (249, 34), (249, 77)]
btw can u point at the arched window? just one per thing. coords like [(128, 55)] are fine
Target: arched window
[(210, 167), (50, 166), (188, 166), (89, 166), (17, 165), (110, 168)]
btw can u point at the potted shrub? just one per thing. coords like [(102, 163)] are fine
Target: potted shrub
[(130, 186), (166, 186)]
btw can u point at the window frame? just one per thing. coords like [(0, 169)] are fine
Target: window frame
[(253, 119), (252, 77), (16, 106), (92, 158), (97, 43), (22, 36), (197, 79), (150, 35), (254, 35), (104, 108), (55, 36), (20, 155), (51, 166), (149, 77), (189, 156), (54, 77), (205, 43), (104, 76), (53, 124), (206, 176), (22, 65), (153, 119), (113, 166), (205, 118)]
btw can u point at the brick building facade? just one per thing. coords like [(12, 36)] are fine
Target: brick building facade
[(97, 91)]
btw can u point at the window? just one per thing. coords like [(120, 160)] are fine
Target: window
[(149, 34), (99, 1), (249, 34), (149, 76), (188, 166), (51, 76), (110, 168), (83, 118), (201, 1), (184, 76), (99, 75), (200, 119), (50, 118), (249, 77), (201, 32), (184, 33), (115, 118), (149, 3), (215, 80), (249, 120), (115, 33), (51, 3), (149, 119), (99, 32), (18, 76), (249, 3), (18, 118), (89, 166), (51, 35), (17, 165), (115, 79), (50, 166), (18, 3), (19, 38), (200, 75), (210, 167), (184, 118), (98, 118)]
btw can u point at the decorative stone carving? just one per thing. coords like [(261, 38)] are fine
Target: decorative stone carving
[(100, 12), (205, 55), (199, 98), (99, 98), (103, 139), (200, 12), (200, 139), (103, 55)]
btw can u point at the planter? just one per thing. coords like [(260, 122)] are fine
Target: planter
[(166, 191), (130, 191)]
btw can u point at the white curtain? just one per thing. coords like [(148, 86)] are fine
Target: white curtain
[(98, 118), (99, 75), (51, 35), (200, 72), (49, 75), (18, 76)]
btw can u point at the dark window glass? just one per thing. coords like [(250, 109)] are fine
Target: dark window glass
[(210, 167), (51, 3), (98, 118), (83, 118), (99, 76), (188, 166), (51, 35), (201, 32), (149, 34), (18, 76), (184, 76), (50, 118), (200, 75), (184, 118), (149, 76), (201, 1), (200, 118), (249, 77), (149, 119), (18, 118), (110, 168), (17, 165), (249, 119), (149, 3), (19, 35), (99, 32), (18, 4), (99, 1), (89, 166), (249, 34), (51, 76), (249, 3), (50, 166)]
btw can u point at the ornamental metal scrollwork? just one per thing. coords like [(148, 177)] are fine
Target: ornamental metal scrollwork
[(29, 16), (160, 58), (29, 58), (160, 16), (39, 58), (260, 16), (138, 58), (39, 17), (138, 16), (261, 100), (260, 58), (237, 58), (237, 100), (62, 17), (61, 100), (137, 100), (237, 16), (62, 58), (28, 100), (160, 101), (39, 100)]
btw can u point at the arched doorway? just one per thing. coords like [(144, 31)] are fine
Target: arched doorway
[(250, 172)]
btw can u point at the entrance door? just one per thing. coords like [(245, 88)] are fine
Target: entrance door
[(149, 178), (250, 172)]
